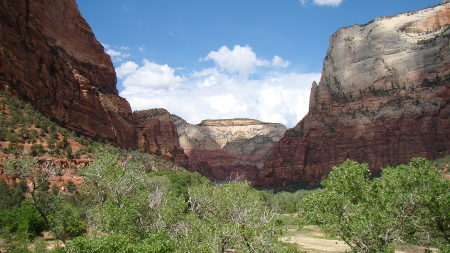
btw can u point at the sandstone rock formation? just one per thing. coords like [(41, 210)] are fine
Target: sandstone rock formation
[(158, 134), (383, 98), (50, 57), (224, 149)]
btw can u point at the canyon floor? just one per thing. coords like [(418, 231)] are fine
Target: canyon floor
[(311, 239)]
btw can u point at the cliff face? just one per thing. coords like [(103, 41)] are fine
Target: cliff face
[(383, 98), (158, 134), (50, 57), (224, 149)]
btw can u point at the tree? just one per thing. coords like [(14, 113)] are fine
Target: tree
[(406, 204), (36, 174), (66, 221), (123, 198), (231, 216)]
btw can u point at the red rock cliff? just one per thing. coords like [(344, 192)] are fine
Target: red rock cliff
[(50, 57), (383, 98), (158, 134)]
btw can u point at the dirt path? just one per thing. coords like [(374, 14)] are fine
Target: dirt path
[(316, 245), (311, 240)]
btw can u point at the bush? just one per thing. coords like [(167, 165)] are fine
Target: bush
[(71, 187), (119, 243), (66, 222), (231, 216), (180, 181), (11, 196), (36, 150), (69, 152), (62, 144), (286, 202), (407, 203), (15, 149), (24, 221)]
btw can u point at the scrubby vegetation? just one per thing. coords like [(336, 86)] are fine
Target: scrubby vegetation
[(128, 201), (23, 130), (121, 207), (407, 204)]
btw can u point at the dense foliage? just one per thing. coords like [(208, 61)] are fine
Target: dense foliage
[(121, 207), (407, 204)]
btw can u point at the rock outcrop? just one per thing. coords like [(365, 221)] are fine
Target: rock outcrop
[(158, 134), (225, 149), (50, 57), (383, 98)]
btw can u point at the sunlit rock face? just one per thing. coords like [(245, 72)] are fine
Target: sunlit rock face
[(383, 98), (50, 57), (228, 149)]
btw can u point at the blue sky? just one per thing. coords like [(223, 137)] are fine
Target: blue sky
[(225, 58)]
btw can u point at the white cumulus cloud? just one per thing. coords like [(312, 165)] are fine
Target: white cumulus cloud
[(277, 61), (117, 54), (333, 3), (126, 68), (241, 60), (224, 91), (148, 76)]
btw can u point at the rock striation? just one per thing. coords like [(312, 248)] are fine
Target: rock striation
[(50, 57), (158, 134), (383, 98), (228, 149)]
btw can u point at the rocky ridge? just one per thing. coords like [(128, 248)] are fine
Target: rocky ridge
[(223, 149), (383, 98)]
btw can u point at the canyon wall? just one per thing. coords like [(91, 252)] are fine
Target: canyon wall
[(228, 149), (50, 57), (158, 134), (383, 98)]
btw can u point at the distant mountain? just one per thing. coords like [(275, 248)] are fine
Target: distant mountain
[(228, 148)]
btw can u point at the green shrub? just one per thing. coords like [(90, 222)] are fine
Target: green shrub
[(71, 187), (407, 203), (286, 202), (11, 195), (69, 152), (13, 148), (24, 221), (66, 222), (36, 150), (63, 144), (119, 243), (53, 135)]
